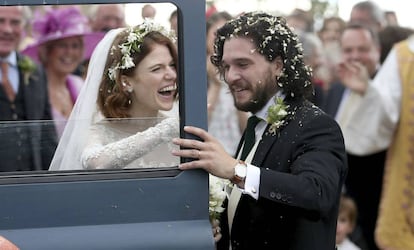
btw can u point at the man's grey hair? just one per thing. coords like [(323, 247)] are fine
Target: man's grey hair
[(377, 14)]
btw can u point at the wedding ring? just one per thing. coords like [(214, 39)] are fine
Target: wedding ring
[(199, 153)]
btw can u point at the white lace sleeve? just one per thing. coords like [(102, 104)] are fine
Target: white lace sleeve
[(118, 154)]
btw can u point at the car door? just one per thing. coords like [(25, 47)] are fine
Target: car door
[(145, 208)]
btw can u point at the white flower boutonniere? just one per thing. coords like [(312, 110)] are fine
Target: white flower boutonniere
[(217, 195), (27, 67), (276, 115)]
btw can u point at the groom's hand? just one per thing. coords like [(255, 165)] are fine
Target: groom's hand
[(209, 154)]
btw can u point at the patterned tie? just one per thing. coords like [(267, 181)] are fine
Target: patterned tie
[(5, 81), (249, 136)]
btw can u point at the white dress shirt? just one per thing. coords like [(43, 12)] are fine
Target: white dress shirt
[(13, 70), (252, 181), (374, 121), (347, 245)]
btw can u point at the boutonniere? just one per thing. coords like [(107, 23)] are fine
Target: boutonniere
[(27, 67), (217, 195), (276, 115)]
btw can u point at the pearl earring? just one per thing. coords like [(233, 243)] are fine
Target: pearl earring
[(127, 87)]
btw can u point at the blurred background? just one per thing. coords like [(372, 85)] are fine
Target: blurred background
[(319, 9)]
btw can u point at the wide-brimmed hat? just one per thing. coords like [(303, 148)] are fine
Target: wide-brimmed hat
[(62, 23)]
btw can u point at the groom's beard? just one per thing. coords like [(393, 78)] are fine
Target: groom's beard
[(262, 92)]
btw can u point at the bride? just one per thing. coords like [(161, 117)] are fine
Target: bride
[(118, 119)]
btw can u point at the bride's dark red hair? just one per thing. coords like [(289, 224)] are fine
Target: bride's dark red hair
[(112, 100)]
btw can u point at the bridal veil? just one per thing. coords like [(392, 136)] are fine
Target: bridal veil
[(84, 113)]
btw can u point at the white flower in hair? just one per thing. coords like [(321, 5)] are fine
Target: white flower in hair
[(124, 49), (133, 44), (132, 37), (128, 62), (112, 73)]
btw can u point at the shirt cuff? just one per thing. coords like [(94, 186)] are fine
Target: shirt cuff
[(252, 181)]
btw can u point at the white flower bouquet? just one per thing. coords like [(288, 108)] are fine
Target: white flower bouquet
[(217, 196)]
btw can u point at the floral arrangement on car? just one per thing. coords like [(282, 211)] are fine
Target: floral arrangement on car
[(217, 195), (133, 44), (27, 67), (276, 115)]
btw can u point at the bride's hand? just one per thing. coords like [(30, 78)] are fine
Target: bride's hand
[(207, 153)]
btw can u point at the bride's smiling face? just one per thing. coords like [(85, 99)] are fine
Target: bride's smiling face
[(154, 82)]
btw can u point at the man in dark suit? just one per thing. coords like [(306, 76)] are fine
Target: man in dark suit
[(287, 183), (360, 61), (26, 142)]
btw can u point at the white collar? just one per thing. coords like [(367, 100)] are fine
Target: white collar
[(11, 58)]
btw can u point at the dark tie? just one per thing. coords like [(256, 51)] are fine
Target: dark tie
[(5, 81), (249, 136)]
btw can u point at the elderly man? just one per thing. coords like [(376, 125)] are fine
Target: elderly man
[(23, 97), (104, 17)]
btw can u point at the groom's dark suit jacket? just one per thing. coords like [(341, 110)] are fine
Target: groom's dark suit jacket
[(303, 169), (27, 145)]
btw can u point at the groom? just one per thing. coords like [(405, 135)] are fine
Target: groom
[(291, 163)]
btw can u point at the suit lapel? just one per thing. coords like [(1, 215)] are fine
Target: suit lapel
[(268, 139), (240, 145), (31, 92), (264, 146)]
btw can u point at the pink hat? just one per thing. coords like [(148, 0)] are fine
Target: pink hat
[(62, 23)]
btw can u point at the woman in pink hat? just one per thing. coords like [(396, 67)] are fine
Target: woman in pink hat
[(63, 42)]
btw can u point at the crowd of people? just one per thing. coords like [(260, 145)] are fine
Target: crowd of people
[(330, 159)]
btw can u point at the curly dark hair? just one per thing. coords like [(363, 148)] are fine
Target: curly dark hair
[(112, 100), (273, 39)]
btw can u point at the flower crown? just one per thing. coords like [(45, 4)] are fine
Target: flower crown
[(133, 44)]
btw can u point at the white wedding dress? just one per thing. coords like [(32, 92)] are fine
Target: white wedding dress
[(131, 143), (90, 141)]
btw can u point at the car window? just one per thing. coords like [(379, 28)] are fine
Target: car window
[(29, 140)]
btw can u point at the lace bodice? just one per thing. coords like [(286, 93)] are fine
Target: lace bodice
[(131, 144)]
